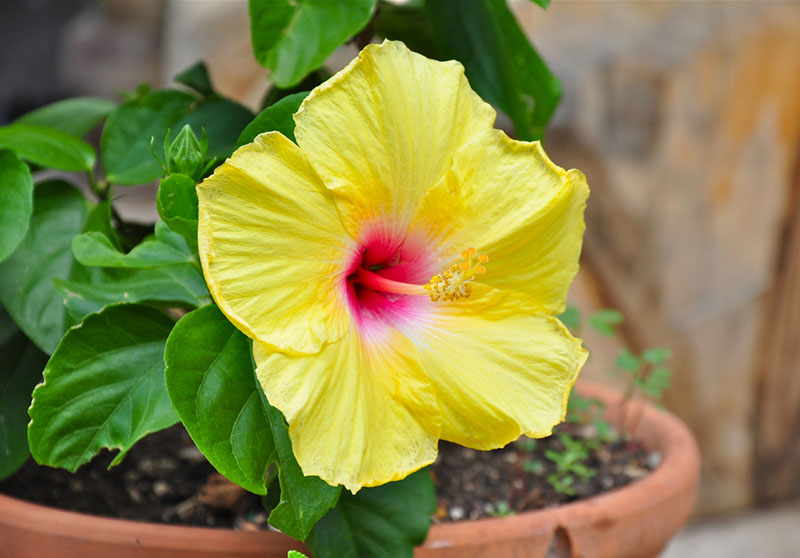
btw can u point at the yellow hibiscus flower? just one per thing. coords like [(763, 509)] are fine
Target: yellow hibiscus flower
[(349, 259)]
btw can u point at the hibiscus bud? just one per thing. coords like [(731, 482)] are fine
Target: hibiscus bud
[(186, 154)]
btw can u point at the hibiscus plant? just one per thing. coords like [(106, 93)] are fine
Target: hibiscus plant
[(335, 284)]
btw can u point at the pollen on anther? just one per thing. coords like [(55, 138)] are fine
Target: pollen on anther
[(483, 258)]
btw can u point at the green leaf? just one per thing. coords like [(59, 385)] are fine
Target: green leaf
[(210, 374), (657, 382), (656, 355), (196, 77), (222, 119), (501, 64), (47, 147), (277, 117), (165, 248), (295, 554), (542, 3), (125, 143), (21, 365), (26, 288), (103, 388), (408, 23), (627, 361), (178, 285), (382, 522), (16, 201), (177, 206), (72, 116), (294, 37), (604, 321), (571, 317)]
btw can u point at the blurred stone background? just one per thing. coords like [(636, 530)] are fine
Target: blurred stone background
[(685, 116)]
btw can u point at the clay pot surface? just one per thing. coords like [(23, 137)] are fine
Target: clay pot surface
[(634, 521)]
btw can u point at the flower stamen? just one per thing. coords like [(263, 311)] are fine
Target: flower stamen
[(450, 285), (454, 283)]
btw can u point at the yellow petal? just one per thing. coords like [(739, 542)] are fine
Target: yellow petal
[(384, 130), (359, 414), (507, 199), (271, 244), (498, 371)]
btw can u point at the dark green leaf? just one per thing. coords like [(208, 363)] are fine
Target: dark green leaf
[(275, 117), (16, 201), (223, 121), (294, 37), (312, 80), (125, 143), (47, 147), (21, 365), (181, 285), (604, 321), (210, 374), (408, 23), (72, 116), (382, 522), (196, 77), (103, 388), (501, 64), (177, 206), (165, 248), (26, 288)]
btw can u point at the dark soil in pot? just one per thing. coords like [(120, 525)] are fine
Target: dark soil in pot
[(164, 478)]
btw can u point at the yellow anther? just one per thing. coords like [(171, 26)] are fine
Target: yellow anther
[(454, 283)]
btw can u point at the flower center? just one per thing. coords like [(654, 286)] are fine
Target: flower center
[(450, 285)]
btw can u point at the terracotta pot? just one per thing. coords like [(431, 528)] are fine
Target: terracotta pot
[(635, 521)]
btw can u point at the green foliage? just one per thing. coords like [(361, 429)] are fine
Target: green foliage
[(408, 23), (647, 373), (16, 201), (570, 463), (26, 277), (161, 268), (210, 374), (222, 119), (72, 116), (571, 317), (196, 77), (21, 365), (295, 554), (103, 388), (501, 64), (125, 143), (293, 37), (381, 522), (605, 321), (177, 206), (47, 147), (277, 117)]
